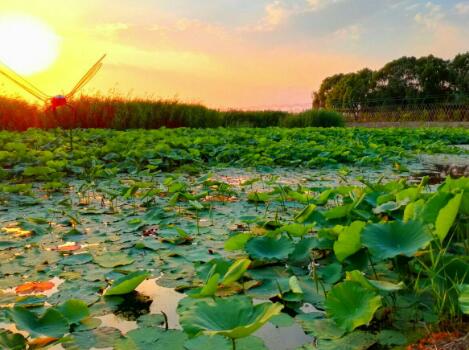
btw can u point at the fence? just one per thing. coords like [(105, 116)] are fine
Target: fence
[(434, 112)]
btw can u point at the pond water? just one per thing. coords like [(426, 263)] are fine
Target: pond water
[(84, 220)]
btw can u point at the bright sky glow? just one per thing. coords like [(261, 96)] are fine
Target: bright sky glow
[(233, 53)]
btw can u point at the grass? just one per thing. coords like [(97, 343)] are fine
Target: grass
[(126, 113)]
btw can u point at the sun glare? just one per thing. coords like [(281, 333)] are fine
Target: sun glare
[(27, 45)]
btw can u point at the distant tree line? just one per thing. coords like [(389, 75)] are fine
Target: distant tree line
[(405, 81)]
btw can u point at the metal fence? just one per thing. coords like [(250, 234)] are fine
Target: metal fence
[(435, 112)]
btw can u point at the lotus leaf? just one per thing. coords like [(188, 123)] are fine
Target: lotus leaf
[(395, 238), (266, 248), (113, 259), (349, 241), (51, 324), (127, 284), (234, 317), (351, 305)]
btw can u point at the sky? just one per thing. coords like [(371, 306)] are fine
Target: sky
[(251, 54)]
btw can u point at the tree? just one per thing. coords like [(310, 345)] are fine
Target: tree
[(434, 79), (327, 85), (407, 80), (459, 68), (396, 82)]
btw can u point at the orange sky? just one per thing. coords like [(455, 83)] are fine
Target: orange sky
[(239, 54)]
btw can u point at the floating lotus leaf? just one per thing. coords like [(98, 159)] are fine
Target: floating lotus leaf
[(76, 259), (152, 338), (320, 328), (113, 259), (234, 317), (51, 324), (395, 238), (351, 305), (237, 242), (266, 248), (127, 284), (74, 310), (215, 342), (353, 341), (12, 341), (102, 337)]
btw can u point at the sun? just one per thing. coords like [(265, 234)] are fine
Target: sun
[(27, 45)]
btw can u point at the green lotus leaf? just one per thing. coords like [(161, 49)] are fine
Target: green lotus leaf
[(74, 310), (282, 320), (349, 241), (464, 298), (389, 337), (305, 215), (413, 210), (12, 341), (152, 338), (127, 284), (266, 248), (354, 341), (395, 238), (209, 289), (259, 197), (447, 216), (76, 259), (357, 276), (236, 271), (338, 212), (433, 206), (151, 320), (250, 343), (234, 317), (51, 324), (215, 342), (331, 273), (301, 255), (320, 328), (351, 305), (237, 242), (296, 230), (113, 259), (102, 337)]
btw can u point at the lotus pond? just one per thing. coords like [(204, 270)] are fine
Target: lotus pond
[(234, 239)]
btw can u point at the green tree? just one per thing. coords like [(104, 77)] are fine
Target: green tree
[(460, 76)]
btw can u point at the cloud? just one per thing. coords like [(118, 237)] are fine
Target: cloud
[(111, 29), (275, 15), (352, 32), (319, 4), (431, 16), (462, 8)]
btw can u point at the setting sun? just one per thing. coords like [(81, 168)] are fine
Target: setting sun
[(27, 45)]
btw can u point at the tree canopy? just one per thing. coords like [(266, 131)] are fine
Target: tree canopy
[(407, 80)]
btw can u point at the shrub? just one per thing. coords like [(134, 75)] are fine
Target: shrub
[(316, 118)]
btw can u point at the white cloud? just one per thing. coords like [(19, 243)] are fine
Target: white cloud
[(431, 16), (320, 4), (275, 14), (462, 8), (352, 32)]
